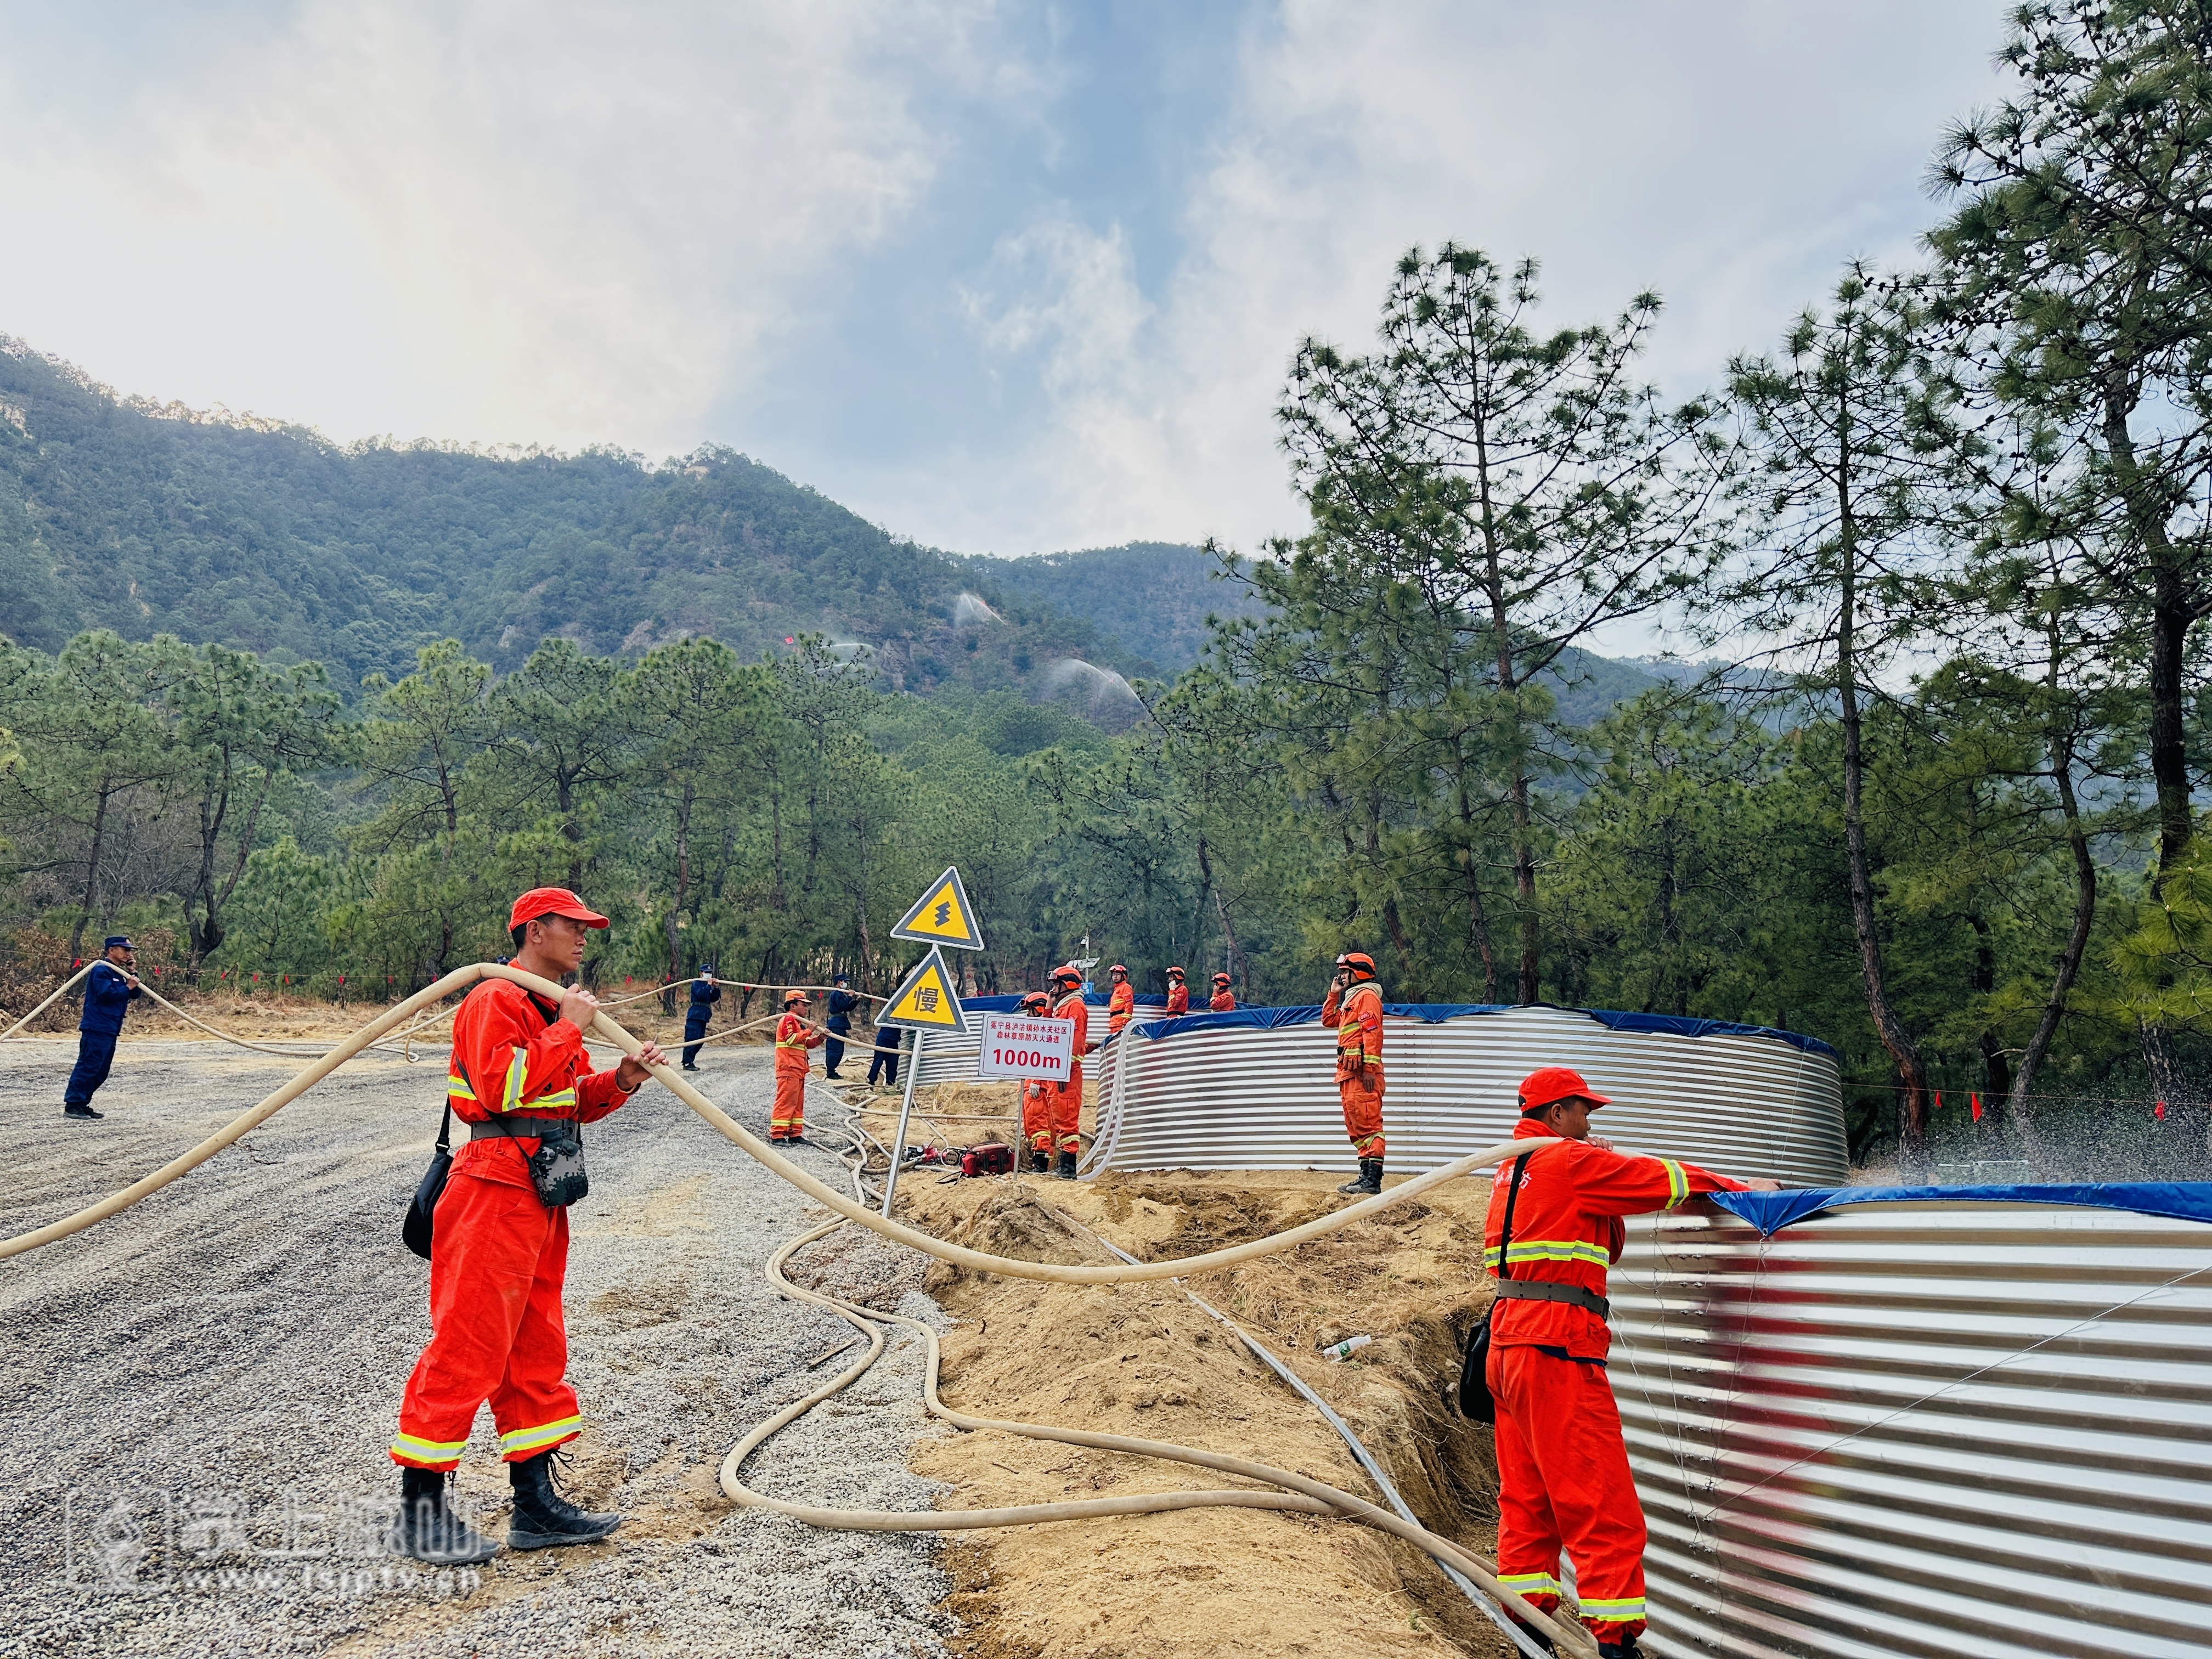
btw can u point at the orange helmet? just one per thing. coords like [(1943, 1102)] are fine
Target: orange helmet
[(1118, 969), (1175, 973), (1359, 962), (1036, 999), (1066, 974), (1221, 979)]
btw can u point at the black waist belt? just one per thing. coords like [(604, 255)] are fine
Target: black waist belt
[(1532, 1290), (511, 1127)]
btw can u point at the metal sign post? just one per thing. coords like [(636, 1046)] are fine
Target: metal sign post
[(905, 1106)]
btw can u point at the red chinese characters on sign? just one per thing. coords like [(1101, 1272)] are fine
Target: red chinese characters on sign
[(1014, 1045)]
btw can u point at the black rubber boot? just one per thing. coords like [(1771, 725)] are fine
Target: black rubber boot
[(1066, 1170), (1039, 1162), (543, 1519), (1368, 1180), (428, 1530)]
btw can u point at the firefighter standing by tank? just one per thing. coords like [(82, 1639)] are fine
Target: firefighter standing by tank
[(1562, 1466), (498, 1254), (794, 1036), (1066, 1097), (110, 989), (1037, 1094), (705, 993), (1225, 1000), (1121, 1001), (842, 1004), (1354, 1007), (1178, 993)]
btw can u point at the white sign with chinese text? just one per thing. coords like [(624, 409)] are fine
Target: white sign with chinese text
[(1018, 1045)]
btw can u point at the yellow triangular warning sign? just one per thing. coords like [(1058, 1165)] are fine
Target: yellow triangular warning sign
[(943, 916), (925, 999)]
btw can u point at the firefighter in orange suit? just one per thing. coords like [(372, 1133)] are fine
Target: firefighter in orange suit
[(1354, 1007), (1121, 1001), (1225, 1001), (1067, 1098), (1562, 1468), (787, 1119), (1178, 993), (1037, 1094), (499, 1255)]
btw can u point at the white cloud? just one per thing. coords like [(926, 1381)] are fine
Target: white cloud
[(495, 221)]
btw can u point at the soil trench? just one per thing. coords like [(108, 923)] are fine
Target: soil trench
[(1141, 1360)]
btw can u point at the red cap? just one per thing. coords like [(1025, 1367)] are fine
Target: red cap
[(1549, 1085), (552, 901)]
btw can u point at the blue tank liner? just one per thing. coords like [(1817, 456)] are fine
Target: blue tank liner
[(1008, 1004), (1434, 1014), (2181, 1201)]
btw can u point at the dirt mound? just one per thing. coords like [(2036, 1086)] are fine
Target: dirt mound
[(1142, 1361)]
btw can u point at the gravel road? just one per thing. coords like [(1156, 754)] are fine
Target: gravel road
[(197, 1395)]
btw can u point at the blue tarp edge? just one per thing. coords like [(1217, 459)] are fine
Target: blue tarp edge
[(2179, 1201), (1435, 1014)]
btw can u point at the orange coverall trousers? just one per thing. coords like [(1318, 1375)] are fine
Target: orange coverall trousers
[(1050, 1112), (1361, 1093), (787, 1116), (1563, 1478), (498, 1259)]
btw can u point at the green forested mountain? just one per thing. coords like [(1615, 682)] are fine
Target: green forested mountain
[(1154, 597), (119, 515)]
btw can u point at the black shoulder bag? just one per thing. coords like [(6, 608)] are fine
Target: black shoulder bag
[(1475, 1402), (414, 1231)]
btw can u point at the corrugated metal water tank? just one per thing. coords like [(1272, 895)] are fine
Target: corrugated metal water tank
[(1931, 1429), (1246, 1098)]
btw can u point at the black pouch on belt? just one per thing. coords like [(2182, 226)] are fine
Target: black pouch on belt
[(1475, 1401), (557, 1168)]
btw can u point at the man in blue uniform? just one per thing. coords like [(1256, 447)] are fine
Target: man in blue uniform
[(842, 1004), (705, 993), (109, 988)]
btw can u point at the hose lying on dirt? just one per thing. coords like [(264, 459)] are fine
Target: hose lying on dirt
[(1298, 1493)]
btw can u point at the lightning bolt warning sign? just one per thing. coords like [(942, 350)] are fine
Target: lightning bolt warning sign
[(943, 916)]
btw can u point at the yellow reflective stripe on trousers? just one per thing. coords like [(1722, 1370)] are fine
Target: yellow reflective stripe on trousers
[(426, 1451), (1678, 1188), (1532, 1583), (1553, 1250), (544, 1435), (1625, 1608)]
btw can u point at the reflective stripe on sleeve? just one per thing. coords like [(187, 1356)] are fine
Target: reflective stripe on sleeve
[(458, 1086), (1678, 1188), (544, 1435)]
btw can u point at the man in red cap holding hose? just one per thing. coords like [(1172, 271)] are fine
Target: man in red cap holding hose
[(498, 1254), (1562, 1474)]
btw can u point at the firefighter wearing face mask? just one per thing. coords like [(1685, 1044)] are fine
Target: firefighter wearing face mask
[(1225, 1000), (1178, 993), (1354, 1009)]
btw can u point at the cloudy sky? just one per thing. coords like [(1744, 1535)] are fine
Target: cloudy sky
[(1002, 277)]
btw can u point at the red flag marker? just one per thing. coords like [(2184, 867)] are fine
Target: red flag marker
[(1939, 1100), (2159, 1111), (1976, 1101)]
